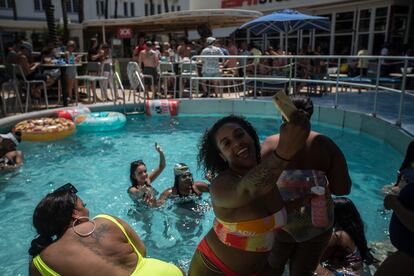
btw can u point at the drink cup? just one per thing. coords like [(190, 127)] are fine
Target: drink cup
[(319, 207)]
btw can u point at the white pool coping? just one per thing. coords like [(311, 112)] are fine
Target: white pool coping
[(365, 123)]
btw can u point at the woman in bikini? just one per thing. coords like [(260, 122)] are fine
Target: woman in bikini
[(245, 198), (141, 182), (69, 243), (347, 249)]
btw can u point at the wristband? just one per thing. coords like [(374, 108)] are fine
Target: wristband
[(280, 157)]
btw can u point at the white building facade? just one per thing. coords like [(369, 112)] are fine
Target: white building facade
[(355, 25)]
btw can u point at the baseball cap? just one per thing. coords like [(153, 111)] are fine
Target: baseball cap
[(180, 169), (26, 45), (210, 40)]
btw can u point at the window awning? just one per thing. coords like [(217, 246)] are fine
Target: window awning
[(179, 21)]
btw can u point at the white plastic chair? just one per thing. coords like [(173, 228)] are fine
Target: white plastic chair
[(188, 70), (166, 72), (28, 88)]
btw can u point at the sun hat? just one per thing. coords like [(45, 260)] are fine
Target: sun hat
[(180, 169), (210, 40)]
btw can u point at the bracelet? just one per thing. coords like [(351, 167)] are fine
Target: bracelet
[(280, 157)]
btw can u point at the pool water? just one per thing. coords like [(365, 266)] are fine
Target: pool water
[(98, 165)]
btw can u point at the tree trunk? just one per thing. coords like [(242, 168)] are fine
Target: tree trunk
[(166, 6), (64, 4), (106, 9), (13, 4), (116, 9), (49, 9), (81, 13)]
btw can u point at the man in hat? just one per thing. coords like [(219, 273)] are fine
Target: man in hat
[(184, 185), (211, 66), (10, 157)]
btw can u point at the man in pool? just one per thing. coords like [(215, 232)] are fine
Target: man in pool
[(10, 157), (321, 163), (141, 188), (184, 185)]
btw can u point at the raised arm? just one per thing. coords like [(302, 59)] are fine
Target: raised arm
[(339, 180), (154, 174), (232, 191)]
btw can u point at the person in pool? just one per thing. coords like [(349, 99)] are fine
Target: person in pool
[(68, 242), (141, 182), (246, 201), (347, 249), (184, 185), (401, 181), (321, 163), (10, 157), (401, 232)]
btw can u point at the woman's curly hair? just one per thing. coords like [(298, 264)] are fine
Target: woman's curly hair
[(209, 159)]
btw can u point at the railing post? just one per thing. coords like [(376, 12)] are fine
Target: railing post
[(404, 80), (191, 80), (290, 75), (374, 113), (244, 75), (337, 82), (295, 75), (255, 77)]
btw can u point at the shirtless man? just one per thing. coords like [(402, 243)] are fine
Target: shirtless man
[(150, 61), (320, 162)]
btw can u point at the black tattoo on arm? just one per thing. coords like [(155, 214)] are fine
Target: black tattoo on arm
[(264, 175)]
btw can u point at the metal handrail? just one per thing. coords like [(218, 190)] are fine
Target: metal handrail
[(338, 60)]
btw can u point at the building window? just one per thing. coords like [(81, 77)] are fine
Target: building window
[(344, 22), (178, 8), (38, 5), (146, 9), (381, 19), (100, 8), (132, 9), (364, 19), (172, 8), (6, 4), (125, 8), (159, 9), (72, 6)]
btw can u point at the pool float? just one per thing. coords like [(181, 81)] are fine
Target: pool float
[(162, 107), (45, 129), (70, 113), (100, 121)]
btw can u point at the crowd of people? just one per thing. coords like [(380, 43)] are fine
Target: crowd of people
[(277, 205)]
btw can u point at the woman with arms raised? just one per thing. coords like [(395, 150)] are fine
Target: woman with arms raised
[(105, 245), (245, 198)]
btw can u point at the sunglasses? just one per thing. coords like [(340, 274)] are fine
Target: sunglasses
[(67, 187), (186, 175)]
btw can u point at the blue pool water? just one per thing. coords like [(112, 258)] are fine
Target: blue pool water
[(98, 164)]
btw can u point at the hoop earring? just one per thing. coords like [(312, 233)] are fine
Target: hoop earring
[(83, 234)]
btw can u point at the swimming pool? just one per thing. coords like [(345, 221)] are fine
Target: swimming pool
[(98, 165)]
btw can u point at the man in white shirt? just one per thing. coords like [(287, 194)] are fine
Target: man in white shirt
[(211, 66)]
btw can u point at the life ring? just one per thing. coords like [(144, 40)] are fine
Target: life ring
[(45, 129), (71, 112), (162, 107), (100, 121)]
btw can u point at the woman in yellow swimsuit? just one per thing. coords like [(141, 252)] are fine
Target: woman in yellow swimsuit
[(69, 243), (245, 198)]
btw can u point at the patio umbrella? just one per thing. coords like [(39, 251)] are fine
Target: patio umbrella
[(285, 21)]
